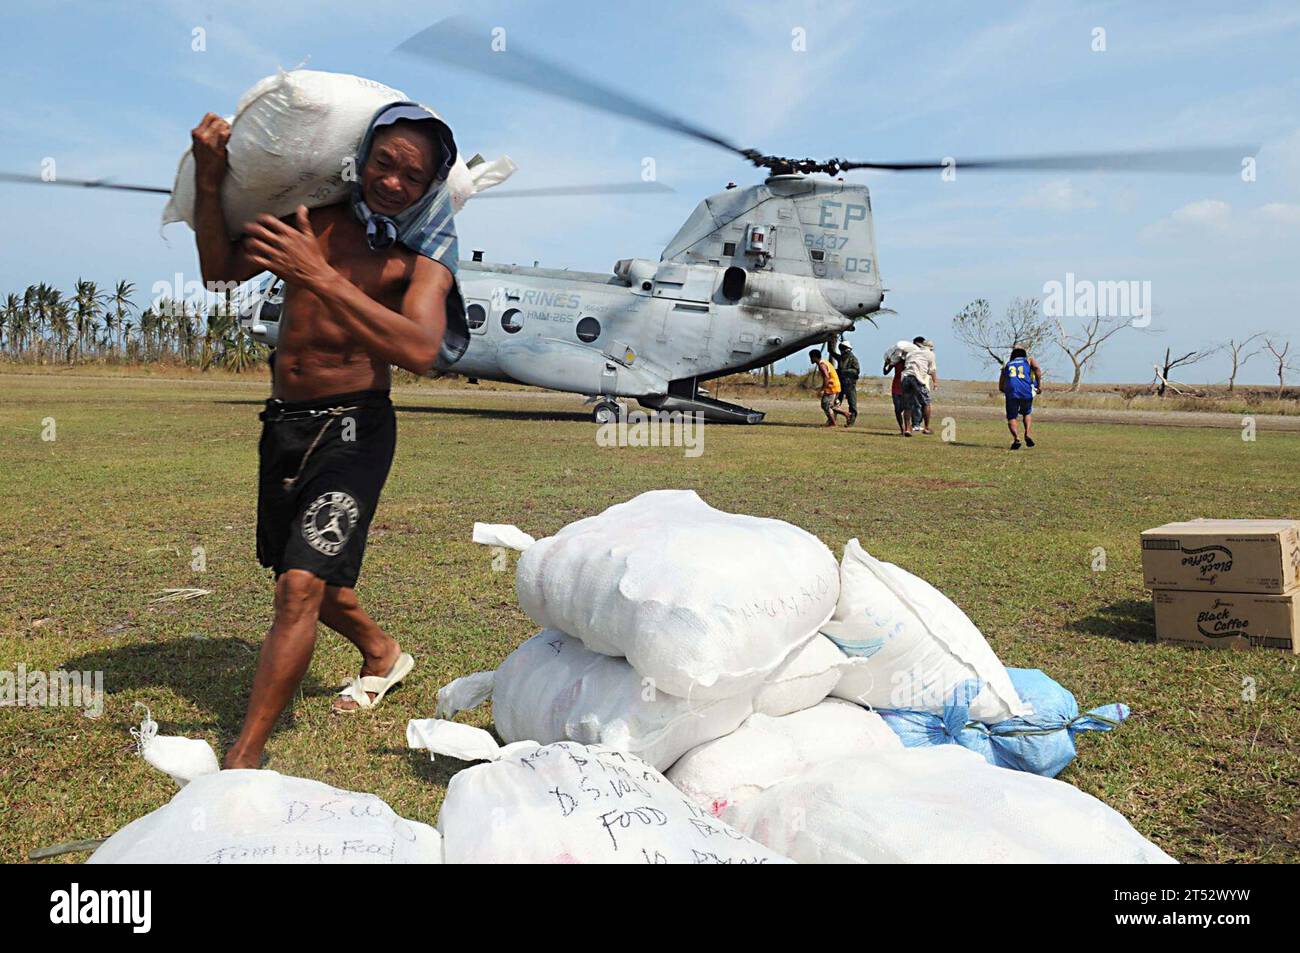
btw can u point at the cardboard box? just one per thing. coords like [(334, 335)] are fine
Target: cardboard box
[(1235, 620), (1223, 555)]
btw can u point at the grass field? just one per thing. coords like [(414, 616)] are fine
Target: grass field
[(142, 471)]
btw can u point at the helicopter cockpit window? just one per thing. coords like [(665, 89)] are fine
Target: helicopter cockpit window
[(588, 330), (817, 254), (272, 303), (476, 316), (512, 320)]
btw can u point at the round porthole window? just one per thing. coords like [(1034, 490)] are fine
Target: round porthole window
[(512, 320), (476, 316), (588, 330)]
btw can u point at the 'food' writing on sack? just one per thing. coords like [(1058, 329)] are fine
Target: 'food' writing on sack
[(791, 605)]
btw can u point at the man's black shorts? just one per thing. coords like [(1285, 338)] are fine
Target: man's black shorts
[(321, 466)]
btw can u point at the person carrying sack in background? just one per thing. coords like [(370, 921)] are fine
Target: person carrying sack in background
[(920, 375)]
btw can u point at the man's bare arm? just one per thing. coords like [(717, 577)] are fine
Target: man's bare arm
[(220, 259), (410, 339)]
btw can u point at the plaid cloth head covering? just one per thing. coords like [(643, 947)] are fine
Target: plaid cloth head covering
[(427, 226)]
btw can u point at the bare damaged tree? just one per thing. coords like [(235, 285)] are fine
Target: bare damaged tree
[(1282, 365), (991, 339), (1171, 362), (1082, 346), (1240, 356)]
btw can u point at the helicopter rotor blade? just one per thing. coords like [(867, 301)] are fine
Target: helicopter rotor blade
[(459, 42), (81, 183), (612, 188), (1217, 159)]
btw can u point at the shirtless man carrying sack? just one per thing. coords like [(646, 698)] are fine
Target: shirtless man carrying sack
[(367, 284)]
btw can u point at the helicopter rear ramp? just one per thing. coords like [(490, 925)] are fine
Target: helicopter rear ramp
[(718, 411)]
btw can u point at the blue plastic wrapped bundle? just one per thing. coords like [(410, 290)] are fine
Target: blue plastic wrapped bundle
[(1042, 742)]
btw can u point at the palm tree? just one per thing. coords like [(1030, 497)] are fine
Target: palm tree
[(58, 314), (29, 319), (164, 319), (186, 328), (10, 318), (122, 306), (44, 301), (150, 333), (89, 307)]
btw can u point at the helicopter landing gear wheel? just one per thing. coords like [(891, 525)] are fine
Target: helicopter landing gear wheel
[(607, 412)]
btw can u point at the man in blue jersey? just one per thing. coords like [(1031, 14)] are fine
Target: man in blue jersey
[(1020, 380)]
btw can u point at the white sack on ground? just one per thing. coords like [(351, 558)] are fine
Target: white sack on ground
[(294, 137), (703, 602), (553, 688), (261, 817), (802, 680), (765, 751), (937, 805), (911, 646), (571, 803)]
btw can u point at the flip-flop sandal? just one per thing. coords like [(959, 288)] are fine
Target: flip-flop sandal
[(358, 688)]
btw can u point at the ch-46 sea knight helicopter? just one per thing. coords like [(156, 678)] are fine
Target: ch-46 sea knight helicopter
[(754, 274)]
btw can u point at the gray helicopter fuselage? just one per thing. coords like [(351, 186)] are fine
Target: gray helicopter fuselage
[(753, 275), (807, 273)]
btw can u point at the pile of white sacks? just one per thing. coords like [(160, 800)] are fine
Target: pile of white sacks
[(711, 647), (688, 700)]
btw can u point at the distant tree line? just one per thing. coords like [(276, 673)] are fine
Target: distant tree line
[(43, 325), (990, 338)]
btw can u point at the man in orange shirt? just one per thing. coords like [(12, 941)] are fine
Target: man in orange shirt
[(830, 385)]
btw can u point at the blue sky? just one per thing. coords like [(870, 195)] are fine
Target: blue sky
[(112, 89)]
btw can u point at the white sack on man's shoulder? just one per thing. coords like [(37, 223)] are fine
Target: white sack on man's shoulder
[(293, 141)]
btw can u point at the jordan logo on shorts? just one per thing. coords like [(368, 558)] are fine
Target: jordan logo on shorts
[(329, 520)]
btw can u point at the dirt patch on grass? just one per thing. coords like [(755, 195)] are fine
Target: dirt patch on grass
[(1247, 825)]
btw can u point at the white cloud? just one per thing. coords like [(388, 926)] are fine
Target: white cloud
[(1203, 212), (1217, 219), (1281, 213), (1058, 195)]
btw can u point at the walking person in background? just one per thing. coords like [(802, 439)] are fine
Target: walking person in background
[(920, 375), (849, 370), (830, 384), (894, 364), (1019, 381)]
